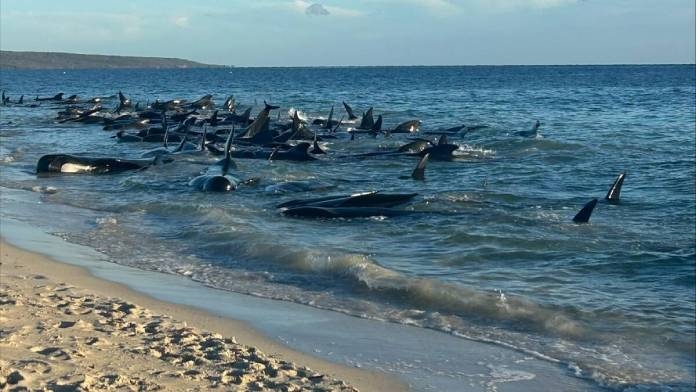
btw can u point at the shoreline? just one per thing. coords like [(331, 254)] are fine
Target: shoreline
[(25, 276), (414, 358)]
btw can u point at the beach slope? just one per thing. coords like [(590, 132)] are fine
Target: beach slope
[(65, 329)]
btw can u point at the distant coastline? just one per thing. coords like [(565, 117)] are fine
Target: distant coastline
[(58, 60)]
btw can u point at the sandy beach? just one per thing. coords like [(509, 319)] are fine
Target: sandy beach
[(63, 329)]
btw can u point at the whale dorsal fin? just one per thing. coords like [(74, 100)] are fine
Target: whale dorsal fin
[(296, 123), (214, 119), (367, 120), (328, 121), (443, 140), (338, 124), (419, 171), (205, 134), (228, 142), (584, 215), (349, 110), (180, 147), (165, 126), (377, 126), (615, 190)]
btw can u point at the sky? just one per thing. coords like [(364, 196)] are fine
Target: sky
[(359, 32)]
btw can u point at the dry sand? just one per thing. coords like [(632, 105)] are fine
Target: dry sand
[(62, 329)]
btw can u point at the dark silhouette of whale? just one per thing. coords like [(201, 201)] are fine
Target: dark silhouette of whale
[(419, 172), (349, 110), (57, 97), (66, 163), (216, 178), (583, 216), (615, 190), (342, 212), (367, 199), (534, 132), (299, 152)]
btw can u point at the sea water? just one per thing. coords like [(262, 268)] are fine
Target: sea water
[(490, 252)]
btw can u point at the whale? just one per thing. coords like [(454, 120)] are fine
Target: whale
[(442, 151), (123, 137), (299, 152), (67, 163), (329, 123), (583, 216), (419, 172), (218, 183), (367, 121), (349, 110), (258, 132), (534, 132), (365, 199), (316, 149), (342, 212), (615, 191), (234, 118), (204, 102), (230, 104), (84, 115), (297, 131), (409, 126), (57, 97), (123, 103)]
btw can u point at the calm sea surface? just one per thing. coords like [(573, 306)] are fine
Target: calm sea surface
[(492, 253)]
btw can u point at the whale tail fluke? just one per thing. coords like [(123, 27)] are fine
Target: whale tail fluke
[(330, 119), (584, 215), (615, 190)]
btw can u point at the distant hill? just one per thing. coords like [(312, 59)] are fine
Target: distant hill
[(55, 60)]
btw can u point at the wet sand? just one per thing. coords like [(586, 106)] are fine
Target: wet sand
[(64, 329)]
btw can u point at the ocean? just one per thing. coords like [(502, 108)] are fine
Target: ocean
[(490, 252)]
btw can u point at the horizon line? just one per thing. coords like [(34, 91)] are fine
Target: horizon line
[(354, 65)]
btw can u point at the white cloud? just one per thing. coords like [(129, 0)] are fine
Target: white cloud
[(181, 21), (316, 9), (320, 9)]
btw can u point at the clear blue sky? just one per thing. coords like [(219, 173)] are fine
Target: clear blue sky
[(359, 32)]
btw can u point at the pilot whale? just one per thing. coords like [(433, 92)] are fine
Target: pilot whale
[(615, 190), (66, 163), (217, 177), (366, 199)]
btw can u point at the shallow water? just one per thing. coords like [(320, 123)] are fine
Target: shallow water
[(492, 253)]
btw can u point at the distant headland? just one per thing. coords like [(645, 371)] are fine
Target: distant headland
[(57, 60)]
